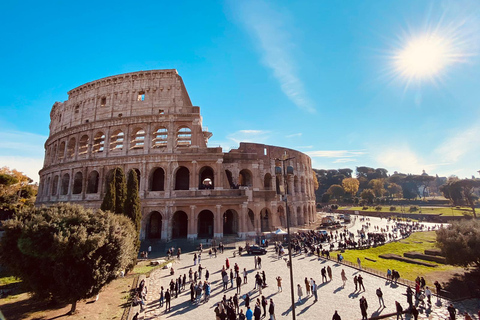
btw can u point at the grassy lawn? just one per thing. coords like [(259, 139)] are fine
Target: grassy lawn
[(111, 304), (445, 211), (418, 241)]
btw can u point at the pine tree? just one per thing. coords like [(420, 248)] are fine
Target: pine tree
[(133, 209), (108, 203), (120, 191)]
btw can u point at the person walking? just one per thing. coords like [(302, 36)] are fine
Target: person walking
[(410, 297), (414, 312), (399, 308), (307, 286), (336, 316), (355, 280), (257, 312), (314, 291), (256, 262), (360, 282), (264, 306), (244, 275), (271, 310), (239, 284), (324, 274), (167, 301), (329, 272), (363, 307), (359, 262), (380, 297), (344, 279), (452, 311), (299, 292), (438, 289), (259, 262), (161, 297), (279, 284), (428, 294), (249, 313)]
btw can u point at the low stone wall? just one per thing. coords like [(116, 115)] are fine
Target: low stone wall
[(417, 216)]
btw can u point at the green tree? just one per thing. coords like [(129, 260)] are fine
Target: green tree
[(116, 194), (368, 195), (460, 243), (336, 191), (66, 252), (452, 191), (133, 208), (16, 192), (378, 187), (351, 185), (468, 187), (394, 190)]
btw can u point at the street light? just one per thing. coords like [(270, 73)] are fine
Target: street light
[(286, 172)]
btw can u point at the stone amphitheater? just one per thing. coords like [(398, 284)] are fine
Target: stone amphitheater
[(145, 121)]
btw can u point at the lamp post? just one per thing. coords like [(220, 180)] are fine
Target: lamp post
[(286, 172)]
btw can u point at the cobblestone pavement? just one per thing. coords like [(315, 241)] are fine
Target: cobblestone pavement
[(332, 295)]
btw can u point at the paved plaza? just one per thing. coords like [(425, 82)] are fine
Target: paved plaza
[(332, 295)]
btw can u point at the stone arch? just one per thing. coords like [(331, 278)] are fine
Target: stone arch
[(83, 145), (265, 220), (302, 184), (47, 187), (229, 175), (184, 137), (77, 183), (92, 184), (160, 138), (230, 222), (245, 178), (71, 148), (281, 216), (182, 178), (138, 176), (205, 224), (295, 185), (138, 139), (179, 225), (65, 184), (267, 181), (117, 140), (305, 215), (154, 225), (277, 185), (157, 180), (55, 186), (61, 151), (299, 216), (207, 178), (99, 142)]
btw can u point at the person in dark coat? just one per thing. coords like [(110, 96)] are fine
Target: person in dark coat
[(451, 310), (336, 316), (414, 312), (257, 313), (167, 301), (264, 306), (399, 308), (363, 307), (271, 310)]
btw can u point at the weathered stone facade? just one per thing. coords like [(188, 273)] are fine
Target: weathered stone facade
[(144, 121)]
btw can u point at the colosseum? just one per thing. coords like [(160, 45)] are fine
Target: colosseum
[(145, 121)]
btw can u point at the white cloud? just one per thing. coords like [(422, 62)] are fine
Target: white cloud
[(29, 166), (234, 139), (294, 135), (464, 142), (402, 159), (269, 29), (344, 160)]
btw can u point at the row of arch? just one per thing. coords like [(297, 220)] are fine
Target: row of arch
[(205, 226), (183, 138)]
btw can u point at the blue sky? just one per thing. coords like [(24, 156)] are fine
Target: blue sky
[(391, 84)]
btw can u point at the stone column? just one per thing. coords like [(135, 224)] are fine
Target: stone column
[(194, 182), (243, 216), (218, 222), (218, 175), (192, 224)]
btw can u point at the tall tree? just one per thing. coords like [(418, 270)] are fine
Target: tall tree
[(336, 191), (468, 187), (133, 208), (17, 191), (114, 199), (460, 243), (378, 186), (66, 252)]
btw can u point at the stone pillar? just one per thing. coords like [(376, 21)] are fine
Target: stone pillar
[(218, 175), (194, 183), (192, 224), (218, 222), (243, 216), (256, 213), (166, 223)]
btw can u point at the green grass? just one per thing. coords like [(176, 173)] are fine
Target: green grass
[(444, 211), (145, 268), (5, 280), (418, 241)]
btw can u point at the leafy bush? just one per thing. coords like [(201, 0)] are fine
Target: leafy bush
[(365, 208), (392, 208), (413, 209), (378, 208)]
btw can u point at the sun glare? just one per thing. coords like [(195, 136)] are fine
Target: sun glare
[(423, 57)]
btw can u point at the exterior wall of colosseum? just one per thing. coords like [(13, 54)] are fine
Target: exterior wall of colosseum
[(145, 121)]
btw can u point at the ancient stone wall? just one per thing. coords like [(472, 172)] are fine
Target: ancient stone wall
[(144, 121)]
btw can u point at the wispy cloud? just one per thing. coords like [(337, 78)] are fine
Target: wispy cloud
[(462, 143), (294, 135), (344, 160), (270, 30), (234, 139), (29, 166), (335, 154), (402, 159)]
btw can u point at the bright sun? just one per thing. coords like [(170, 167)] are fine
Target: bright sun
[(423, 57)]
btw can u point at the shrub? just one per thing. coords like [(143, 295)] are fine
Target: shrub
[(392, 208), (413, 208), (365, 208), (378, 208)]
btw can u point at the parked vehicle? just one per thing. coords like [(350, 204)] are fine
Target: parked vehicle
[(256, 250)]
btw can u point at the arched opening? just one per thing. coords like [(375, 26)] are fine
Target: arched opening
[(138, 176), (92, 184), (116, 140), (305, 216), (230, 222), (98, 142), (302, 184), (251, 220), (277, 182), (245, 178), (205, 224), (295, 184), (281, 216), (65, 183), (228, 173), (267, 181), (138, 139), (160, 138), (71, 148), (154, 228), (158, 180), (53, 153), (55, 186), (206, 178), (182, 179), (299, 216), (265, 220), (179, 225), (77, 183), (61, 151), (184, 137), (83, 145), (47, 187)]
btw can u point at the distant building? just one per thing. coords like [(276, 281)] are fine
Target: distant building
[(144, 121)]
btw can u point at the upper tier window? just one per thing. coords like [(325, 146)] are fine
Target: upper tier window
[(184, 137), (141, 96)]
